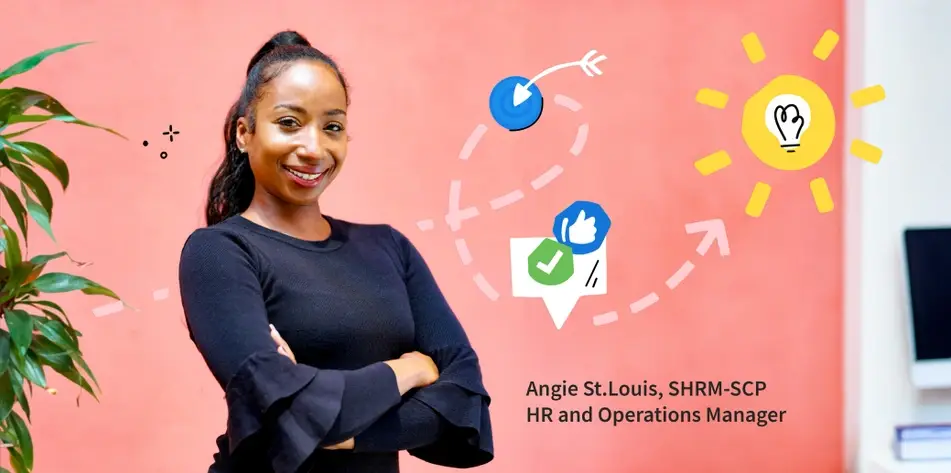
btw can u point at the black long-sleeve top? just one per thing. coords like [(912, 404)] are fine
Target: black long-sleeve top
[(344, 305)]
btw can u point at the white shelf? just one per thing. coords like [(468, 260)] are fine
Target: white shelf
[(887, 463)]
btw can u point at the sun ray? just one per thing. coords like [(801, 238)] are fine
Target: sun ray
[(754, 49), (712, 98), (825, 45), (757, 202), (822, 196), (866, 151), (868, 96), (712, 163)]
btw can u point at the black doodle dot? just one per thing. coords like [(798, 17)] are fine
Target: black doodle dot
[(163, 155), (145, 143)]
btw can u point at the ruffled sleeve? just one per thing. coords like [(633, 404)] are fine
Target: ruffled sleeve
[(462, 401), (299, 404), (279, 412), (448, 422)]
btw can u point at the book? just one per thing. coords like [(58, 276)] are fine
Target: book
[(923, 442)]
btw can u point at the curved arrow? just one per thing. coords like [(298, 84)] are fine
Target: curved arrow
[(714, 232), (586, 63)]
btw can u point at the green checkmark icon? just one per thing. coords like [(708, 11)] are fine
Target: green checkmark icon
[(551, 263)]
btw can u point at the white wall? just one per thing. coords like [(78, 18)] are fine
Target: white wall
[(905, 45)]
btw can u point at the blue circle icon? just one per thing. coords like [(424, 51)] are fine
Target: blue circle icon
[(582, 227), (515, 117)]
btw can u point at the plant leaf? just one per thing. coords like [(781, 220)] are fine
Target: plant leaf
[(35, 273), (14, 119), (58, 334), (52, 305), (6, 158), (15, 280), (7, 397), (14, 102), (39, 214), (72, 374), (51, 355), (31, 179), (73, 333), (24, 440), (7, 144), (17, 100), (78, 359), (20, 324), (13, 200), (48, 160), (27, 365), (49, 304), (11, 251), (15, 134), (41, 260), (16, 461), (28, 63), (19, 273), (63, 282), (16, 381), (39, 264), (4, 351)]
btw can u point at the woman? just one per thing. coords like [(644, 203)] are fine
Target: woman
[(382, 364)]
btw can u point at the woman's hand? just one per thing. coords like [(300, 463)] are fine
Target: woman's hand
[(282, 346), (345, 445), (429, 372), (413, 370)]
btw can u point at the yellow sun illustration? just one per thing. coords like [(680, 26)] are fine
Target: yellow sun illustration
[(789, 125)]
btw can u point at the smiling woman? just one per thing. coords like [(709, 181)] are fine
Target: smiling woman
[(382, 363)]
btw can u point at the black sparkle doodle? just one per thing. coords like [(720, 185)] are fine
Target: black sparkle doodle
[(171, 138)]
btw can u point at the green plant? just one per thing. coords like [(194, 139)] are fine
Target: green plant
[(36, 333)]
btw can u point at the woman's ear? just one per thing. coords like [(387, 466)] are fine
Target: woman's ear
[(242, 134)]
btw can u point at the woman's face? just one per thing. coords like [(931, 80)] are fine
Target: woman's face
[(299, 141)]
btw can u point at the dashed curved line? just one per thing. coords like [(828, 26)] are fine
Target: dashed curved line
[(644, 302), (455, 186), (636, 306), (506, 200), (472, 141), (108, 309), (605, 319), (678, 277), (486, 288), (567, 102), (455, 217), (463, 249), (580, 139), (425, 225), (546, 177), (160, 294)]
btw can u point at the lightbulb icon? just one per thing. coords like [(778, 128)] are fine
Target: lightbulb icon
[(787, 118), (780, 114)]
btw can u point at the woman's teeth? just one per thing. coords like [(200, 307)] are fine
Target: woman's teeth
[(307, 177)]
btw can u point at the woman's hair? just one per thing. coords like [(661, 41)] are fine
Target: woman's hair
[(232, 187)]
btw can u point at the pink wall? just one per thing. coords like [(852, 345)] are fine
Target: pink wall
[(421, 73)]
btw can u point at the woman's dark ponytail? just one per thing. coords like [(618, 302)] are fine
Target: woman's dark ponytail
[(232, 187)]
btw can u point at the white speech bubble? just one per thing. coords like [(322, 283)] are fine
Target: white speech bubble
[(590, 278)]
